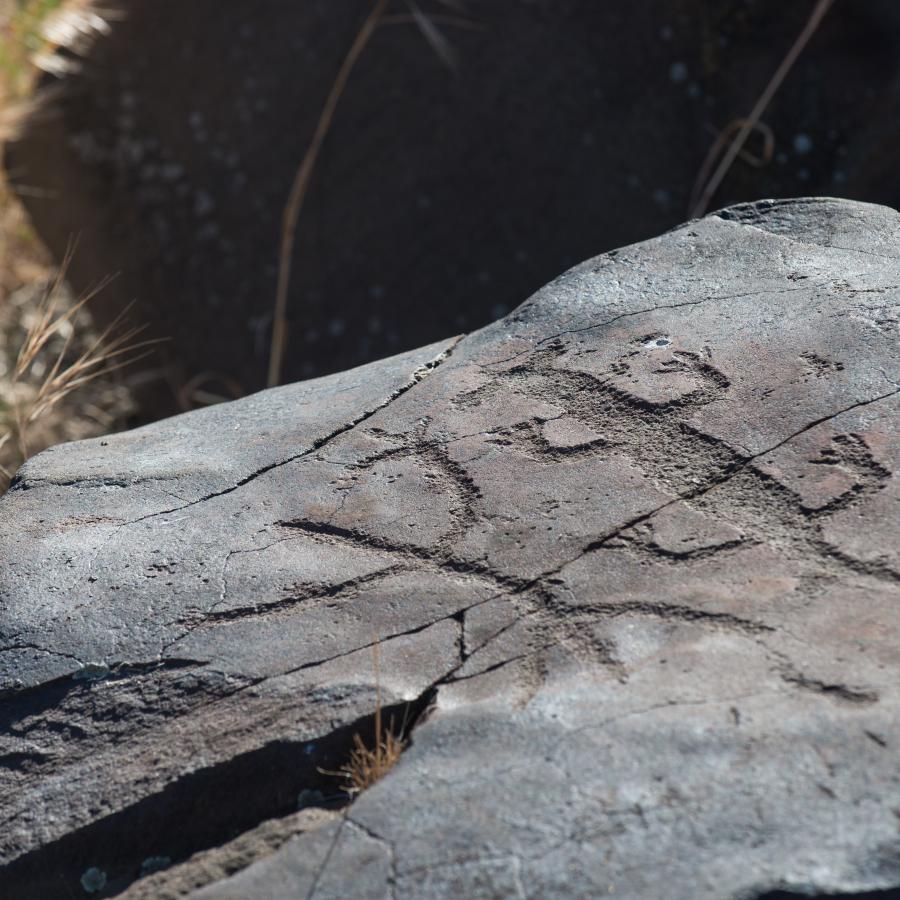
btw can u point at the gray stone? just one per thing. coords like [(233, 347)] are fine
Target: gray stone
[(629, 556), (218, 863)]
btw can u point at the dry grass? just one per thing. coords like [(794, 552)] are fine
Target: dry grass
[(368, 765), (55, 369), (57, 374), (54, 360)]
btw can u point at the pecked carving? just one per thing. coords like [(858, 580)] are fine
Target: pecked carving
[(629, 556)]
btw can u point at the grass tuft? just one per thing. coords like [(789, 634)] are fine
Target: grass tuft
[(47, 370), (367, 765)]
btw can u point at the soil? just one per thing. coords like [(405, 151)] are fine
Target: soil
[(442, 198)]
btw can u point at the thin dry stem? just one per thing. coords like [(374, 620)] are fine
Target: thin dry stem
[(722, 139), (45, 326), (750, 123), (439, 43), (301, 185)]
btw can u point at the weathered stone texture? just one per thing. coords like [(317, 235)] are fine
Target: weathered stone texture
[(635, 545)]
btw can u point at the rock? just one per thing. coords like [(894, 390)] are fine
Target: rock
[(629, 557), (216, 864), (567, 127)]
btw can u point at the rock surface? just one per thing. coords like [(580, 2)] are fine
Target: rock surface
[(630, 556)]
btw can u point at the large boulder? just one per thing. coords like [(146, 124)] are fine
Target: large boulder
[(629, 557), (441, 198)]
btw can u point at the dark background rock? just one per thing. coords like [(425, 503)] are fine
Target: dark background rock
[(440, 199), (630, 555)]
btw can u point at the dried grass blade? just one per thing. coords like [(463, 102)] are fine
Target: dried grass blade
[(299, 188), (433, 35)]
